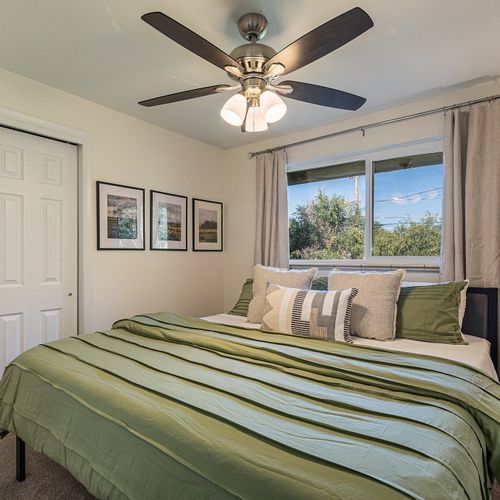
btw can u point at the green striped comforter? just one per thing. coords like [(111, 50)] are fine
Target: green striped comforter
[(165, 406)]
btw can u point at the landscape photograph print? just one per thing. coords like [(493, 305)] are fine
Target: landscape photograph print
[(168, 221), (207, 225), (120, 217)]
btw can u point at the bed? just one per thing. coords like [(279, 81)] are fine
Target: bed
[(166, 406)]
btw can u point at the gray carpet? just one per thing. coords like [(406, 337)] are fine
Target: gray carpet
[(46, 480)]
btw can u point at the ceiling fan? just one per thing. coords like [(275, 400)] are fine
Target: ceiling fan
[(256, 67)]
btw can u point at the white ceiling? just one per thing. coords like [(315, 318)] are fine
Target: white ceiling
[(101, 50)]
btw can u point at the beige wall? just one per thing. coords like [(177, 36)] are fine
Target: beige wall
[(239, 170), (128, 151)]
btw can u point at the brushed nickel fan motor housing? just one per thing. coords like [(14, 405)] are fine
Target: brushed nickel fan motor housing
[(253, 56), (252, 26)]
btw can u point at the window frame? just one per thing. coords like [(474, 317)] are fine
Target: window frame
[(434, 145)]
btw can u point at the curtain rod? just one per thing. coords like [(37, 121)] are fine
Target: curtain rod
[(362, 128)]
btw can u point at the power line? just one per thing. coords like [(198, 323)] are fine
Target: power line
[(410, 195)]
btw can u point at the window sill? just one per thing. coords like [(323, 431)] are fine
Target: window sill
[(424, 264)]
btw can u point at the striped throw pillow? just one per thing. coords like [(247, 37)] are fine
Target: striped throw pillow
[(311, 313)]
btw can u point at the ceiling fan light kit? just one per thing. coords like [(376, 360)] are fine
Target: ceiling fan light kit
[(234, 110), (255, 121), (256, 67), (273, 106)]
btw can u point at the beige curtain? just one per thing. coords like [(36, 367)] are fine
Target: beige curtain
[(471, 207), (271, 232)]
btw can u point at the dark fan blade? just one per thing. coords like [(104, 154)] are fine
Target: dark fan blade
[(323, 40), (189, 39), (182, 96), (324, 96)]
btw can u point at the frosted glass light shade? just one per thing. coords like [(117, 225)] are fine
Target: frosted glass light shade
[(255, 121), (233, 112), (272, 106)]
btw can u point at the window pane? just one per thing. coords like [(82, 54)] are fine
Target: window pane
[(326, 212), (407, 197)]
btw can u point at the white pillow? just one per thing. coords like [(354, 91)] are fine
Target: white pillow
[(284, 277), (375, 307)]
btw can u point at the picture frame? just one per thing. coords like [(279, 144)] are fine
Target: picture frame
[(168, 221), (208, 225), (120, 217)]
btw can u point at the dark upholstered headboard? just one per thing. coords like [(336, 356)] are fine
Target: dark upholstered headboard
[(481, 317)]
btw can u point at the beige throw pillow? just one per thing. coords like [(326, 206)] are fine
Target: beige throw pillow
[(374, 310), (262, 275)]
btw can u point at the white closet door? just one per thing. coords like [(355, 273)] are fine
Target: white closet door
[(38, 242)]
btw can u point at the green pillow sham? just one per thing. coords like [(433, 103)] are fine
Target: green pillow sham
[(430, 313), (320, 283), (246, 295)]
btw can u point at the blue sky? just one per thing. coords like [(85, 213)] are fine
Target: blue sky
[(398, 195)]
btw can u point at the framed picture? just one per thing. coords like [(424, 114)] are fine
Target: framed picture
[(168, 221), (120, 217), (207, 226)]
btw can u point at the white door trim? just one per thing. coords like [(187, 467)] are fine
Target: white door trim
[(82, 138)]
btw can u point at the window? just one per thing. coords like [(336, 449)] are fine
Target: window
[(407, 196), (368, 209), (327, 212)]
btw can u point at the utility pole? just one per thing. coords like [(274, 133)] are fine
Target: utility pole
[(356, 188)]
